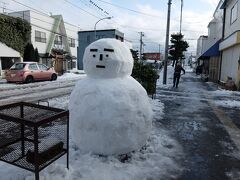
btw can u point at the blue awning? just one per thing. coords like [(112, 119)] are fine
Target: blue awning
[(212, 51)]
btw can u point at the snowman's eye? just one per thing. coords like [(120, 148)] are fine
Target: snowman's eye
[(106, 55), (94, 55)]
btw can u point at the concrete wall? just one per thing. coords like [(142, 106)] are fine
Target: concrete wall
[(201, 45), (230, 58), (231, 27), (44, 24), (230, 46)]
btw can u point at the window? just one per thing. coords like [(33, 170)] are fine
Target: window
[(58, 40), (40, 36), (18, 66), (234, 13), (33, 67), (42, 67), (71, 42)]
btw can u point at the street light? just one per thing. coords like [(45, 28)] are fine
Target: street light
[(96, 25)]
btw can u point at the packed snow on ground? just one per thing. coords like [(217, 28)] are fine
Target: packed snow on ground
[(159, 159), (231, 100), (156, 161), (169, 84), (63, 78), (70, 76), (228, 103), (188, 69)]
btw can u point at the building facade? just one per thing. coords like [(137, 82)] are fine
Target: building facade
[(55, 40), (152, 55), (87, 37), (208, 54), (230, 45)]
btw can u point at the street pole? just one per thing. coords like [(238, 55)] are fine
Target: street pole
[(141, 46), (181, 17), (4, 6), (181, 25), (166, 43), (95, 36), (159, 52)]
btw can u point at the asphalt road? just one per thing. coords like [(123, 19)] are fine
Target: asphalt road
[(208, 134)]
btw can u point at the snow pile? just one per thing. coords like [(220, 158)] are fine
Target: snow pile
[(159, 159), (70, 76), (188, 69), (228, 103), (109, 110)]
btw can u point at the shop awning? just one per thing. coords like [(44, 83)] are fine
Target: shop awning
[(212, 51)]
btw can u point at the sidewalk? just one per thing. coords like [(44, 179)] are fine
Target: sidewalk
[(205, 121)]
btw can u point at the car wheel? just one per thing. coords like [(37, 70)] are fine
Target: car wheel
[(29, 79), (54, 77)]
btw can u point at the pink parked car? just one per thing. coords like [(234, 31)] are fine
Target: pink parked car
[(28, 72)]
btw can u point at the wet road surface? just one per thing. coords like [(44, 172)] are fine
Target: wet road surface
[(211, 150)]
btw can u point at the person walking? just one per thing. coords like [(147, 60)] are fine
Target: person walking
[(177, 73)]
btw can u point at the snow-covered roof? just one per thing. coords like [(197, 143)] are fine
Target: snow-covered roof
[(6, 51)]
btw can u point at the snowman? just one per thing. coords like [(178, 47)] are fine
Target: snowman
[(110, 113)]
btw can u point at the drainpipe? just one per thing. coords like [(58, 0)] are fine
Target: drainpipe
[(223, 32)]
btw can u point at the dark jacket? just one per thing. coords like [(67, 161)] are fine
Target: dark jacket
[(178, 69)]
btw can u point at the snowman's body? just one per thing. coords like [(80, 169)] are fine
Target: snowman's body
[(109, 110)]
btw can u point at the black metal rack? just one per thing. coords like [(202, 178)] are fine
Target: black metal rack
[(33, 136)]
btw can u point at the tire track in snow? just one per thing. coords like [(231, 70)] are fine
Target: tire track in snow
[(10, 94), (36, 96), (36, 92)]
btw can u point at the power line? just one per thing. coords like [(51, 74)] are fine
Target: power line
[(150, 29), (39, 12), (29, 7), (47, 29), (20, 13), (99, 8), (74, 5), (139, 12), (88, 5)]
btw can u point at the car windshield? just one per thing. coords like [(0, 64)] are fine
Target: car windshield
[(18, 66)]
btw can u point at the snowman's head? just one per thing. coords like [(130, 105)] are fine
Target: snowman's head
[(107, 58)]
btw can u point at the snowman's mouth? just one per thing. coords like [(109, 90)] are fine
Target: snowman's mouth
[(100, 66)]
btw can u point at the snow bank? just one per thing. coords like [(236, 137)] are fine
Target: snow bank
[(158, 160), (228, 103)]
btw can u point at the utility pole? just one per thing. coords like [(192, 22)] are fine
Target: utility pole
[(4, 6), (141, 46), (159, 52), (181, 17), (166, 43)]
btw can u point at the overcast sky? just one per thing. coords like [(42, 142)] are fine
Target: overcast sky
[(130, 17)]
